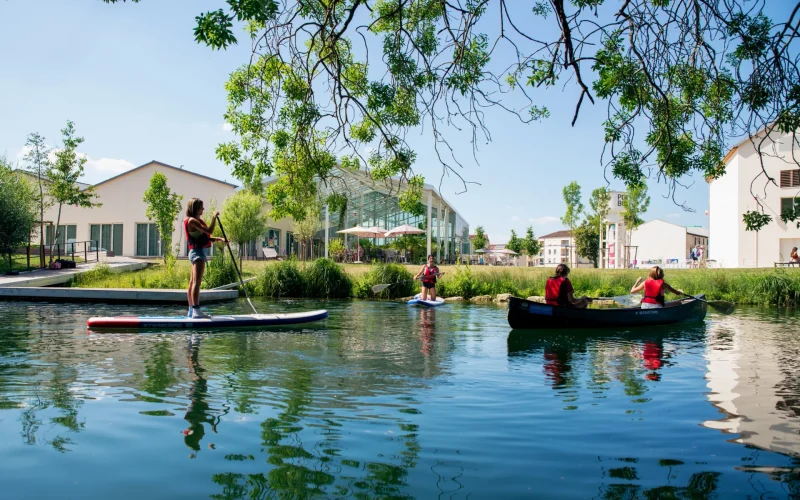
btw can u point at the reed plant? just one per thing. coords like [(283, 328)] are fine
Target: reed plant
[(324, 278), (396, 275), (281, 279)]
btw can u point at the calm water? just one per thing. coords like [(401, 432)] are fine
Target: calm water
[(383, 400)]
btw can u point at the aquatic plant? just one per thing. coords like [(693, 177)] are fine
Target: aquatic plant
[(324, 278), (397, 275), (281, 279)]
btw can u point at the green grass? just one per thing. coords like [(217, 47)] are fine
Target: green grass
[(323, 278), (20, 262)]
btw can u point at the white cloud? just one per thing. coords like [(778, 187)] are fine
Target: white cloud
[(94, 170), (547, 219), (227, 127)]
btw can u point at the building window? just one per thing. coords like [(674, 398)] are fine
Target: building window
[(273, 238), (66, 232), (109, 237), (790, 178), (290, 244), (789, 204), (148, 241)]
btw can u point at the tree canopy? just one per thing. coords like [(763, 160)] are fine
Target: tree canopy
[(18, 206), (344, 82), (163, 207)]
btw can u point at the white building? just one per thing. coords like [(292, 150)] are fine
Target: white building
[(559, 248), (666, 244), (120, 224), (730, 197)]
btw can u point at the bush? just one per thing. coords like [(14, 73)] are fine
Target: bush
[(462, 284), (219, 271), (398, 276), (98, 273), (282, 279), (325, 278)]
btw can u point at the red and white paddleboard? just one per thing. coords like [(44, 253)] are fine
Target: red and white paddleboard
[(214, 322)]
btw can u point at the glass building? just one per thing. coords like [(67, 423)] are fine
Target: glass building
[(375, 203)]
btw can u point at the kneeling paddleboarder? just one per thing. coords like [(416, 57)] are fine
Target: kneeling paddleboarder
[(429, 272)]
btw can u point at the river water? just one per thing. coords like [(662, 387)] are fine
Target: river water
[(384, 400)]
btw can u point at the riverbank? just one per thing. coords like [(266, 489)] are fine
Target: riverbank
[(325, 279)]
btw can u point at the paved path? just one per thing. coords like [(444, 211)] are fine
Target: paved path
[(111, 295), (47, 277)]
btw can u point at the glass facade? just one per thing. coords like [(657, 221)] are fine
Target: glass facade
[(373, 203)]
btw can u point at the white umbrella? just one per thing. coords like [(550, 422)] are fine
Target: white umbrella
[(505, 251), (480, 250), (363, 232), (404, 229)]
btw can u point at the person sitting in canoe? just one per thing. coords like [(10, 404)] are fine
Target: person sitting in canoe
[(559, 292), (654, 287), (429, 272), (198, 236)]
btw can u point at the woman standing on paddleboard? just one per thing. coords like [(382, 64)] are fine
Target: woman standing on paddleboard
[(198, 236), (429, 272)]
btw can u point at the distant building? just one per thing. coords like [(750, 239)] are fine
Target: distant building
[(558, 248), (730, 196), (666, 244)]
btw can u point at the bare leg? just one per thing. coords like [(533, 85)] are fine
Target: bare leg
[(433, 293), (190, 290), (424, 293), (197, 270)]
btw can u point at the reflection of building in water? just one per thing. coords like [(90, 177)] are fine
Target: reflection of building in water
[(752, 386)]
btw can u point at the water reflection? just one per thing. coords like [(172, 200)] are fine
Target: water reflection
[(753, 373), (199, 412)]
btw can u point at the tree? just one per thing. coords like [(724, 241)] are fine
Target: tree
[(18, 206), (587, 241), (571, 218), (306, 228), (530, 244), (688, 76), (64, 174), (514, 243), (600, 203), (163, 206), (244, 219), (755, 221), (480, 240), (635, 204), (37, 162)]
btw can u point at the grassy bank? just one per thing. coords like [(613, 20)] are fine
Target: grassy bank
[(323, 278)]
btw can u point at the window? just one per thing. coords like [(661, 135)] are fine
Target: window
[(109, 237), (789, 204), (273, 238), (790, 178), (290, 245), (65, 231), (148, 241)]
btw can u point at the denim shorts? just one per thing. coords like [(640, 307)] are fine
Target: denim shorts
[(197, 254)]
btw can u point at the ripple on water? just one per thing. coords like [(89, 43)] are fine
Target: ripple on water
[(382, 400)]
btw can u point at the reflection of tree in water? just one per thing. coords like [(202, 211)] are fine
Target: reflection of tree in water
[(701, 485), (298, 471), (55, 394)]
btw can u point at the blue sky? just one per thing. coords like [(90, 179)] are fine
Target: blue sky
[(139, 88)]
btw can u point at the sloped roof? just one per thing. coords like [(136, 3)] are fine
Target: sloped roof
[(156, 162), (564, 233)]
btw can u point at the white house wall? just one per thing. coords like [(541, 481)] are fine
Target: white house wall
[(730, 197), (659, 240), (122, 200), (723, 202)]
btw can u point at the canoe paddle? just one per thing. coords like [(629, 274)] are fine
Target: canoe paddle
[(384, 286), (721, 306), (241, 281)]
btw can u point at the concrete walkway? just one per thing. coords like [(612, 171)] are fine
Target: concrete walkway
[(112, 295), (47, 277)]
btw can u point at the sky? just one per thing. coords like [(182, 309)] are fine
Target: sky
[(139, 88)]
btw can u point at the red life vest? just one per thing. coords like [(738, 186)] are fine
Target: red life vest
[(202, 241), (429, 274), (552, 292), (653, 291)]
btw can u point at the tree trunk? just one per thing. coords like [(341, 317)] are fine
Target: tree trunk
[(55, 234)]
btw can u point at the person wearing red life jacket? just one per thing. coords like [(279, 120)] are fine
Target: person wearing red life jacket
[(654, 288), (429, 272), (198, 236), (559, 292)]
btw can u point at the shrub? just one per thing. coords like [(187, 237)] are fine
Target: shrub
[(219, 271), (398, 276), (281, 279), (325, 278)]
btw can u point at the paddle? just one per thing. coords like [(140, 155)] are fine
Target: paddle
[(721, 306), (384, 286), (241, 281)]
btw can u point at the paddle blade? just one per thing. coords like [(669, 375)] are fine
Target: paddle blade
[(722, 306), (380, 288)]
